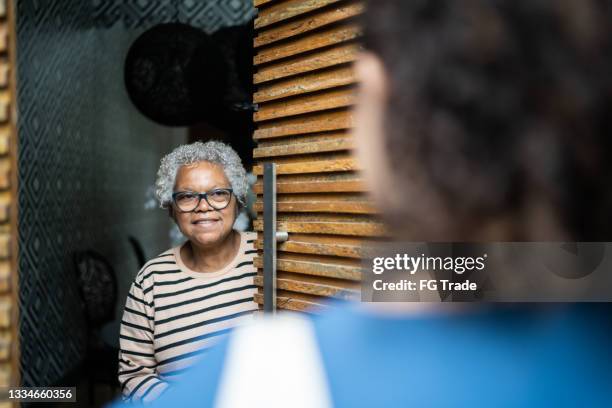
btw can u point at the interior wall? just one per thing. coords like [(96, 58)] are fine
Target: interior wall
[(87, 159), (208, 15)]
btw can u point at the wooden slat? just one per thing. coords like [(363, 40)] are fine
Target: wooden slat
[(294, 303), (317, 266), (325, 217), (338, 197), (309, 158), (305, 138), (320, 166), (6, 305), (323, 206), (309, 23), (5, 349), (5, 107), (259, 3), (331, 245), (316, 81), (335, 35), (306, 63), (5, 173), (321, 144), (326, 203), (4, 75), (5, 276), (288, 9), (338, 98), (332, 182), (345, 197), (5, 138), (318, 286), (5, 242), (360, 229), (4, 38), (6, 201), (319, 122), (319, 186)]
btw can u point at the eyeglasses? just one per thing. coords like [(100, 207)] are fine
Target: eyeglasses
[(188, 201)]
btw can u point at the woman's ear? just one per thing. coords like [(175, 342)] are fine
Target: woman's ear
[(369, 130)]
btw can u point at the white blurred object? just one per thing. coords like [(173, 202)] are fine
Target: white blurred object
[(252, 377), (150, 200), (242, 222), (176, 236)]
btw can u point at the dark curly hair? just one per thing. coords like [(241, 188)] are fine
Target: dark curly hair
[(498, 100)]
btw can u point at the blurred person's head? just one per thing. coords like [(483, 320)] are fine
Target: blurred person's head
[(488, 120), (212, 168)]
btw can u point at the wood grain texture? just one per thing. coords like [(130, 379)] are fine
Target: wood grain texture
[(340, 197), (314, 123), (323, 207), (295, 303), (326, 143), (5, 138), (4, 75), (332, 182), (288, 9), (318, 186), (316, 267), (337, 55), (5, 107), (316, 81), (259, 3), (338, 98), (326, 203), (319, 166), (305, 138), (307, 158), (318, 286), (306, 24), (361, 229), (330, 245), (5, 276), (5, 345), (304, 83), (334, 35)]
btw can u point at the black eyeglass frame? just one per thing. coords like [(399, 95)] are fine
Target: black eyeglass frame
[(205, 197)]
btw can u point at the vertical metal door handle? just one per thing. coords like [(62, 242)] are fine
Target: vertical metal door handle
[(269, 233)]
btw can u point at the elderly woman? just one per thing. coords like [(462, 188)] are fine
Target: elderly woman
[(184, 299)]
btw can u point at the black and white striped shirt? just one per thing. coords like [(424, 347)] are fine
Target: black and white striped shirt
[(173, 314)]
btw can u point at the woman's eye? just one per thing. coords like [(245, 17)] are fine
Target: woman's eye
[(186, 196)]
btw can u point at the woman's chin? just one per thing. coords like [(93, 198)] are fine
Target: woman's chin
[(209, 238)]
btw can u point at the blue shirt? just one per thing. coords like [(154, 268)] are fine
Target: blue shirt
[(502, 356)]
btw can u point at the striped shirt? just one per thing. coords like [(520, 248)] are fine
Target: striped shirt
[(173, 314)]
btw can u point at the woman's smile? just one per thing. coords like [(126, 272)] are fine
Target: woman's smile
[(206, 223)]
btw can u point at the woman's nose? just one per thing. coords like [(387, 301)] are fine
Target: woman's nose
[(203, 206)]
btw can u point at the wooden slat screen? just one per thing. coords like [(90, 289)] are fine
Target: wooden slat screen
[(304, 91)]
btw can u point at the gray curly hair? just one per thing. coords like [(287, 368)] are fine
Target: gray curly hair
[(213, 152)]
